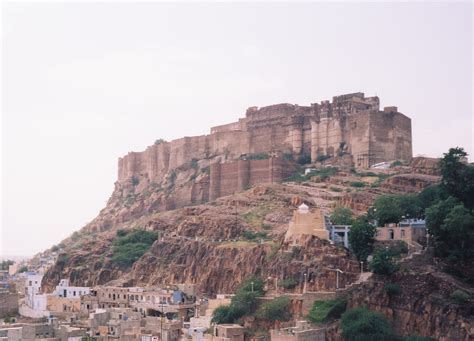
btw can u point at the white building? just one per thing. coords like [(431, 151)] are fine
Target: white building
[(64, 290), (32, 287)]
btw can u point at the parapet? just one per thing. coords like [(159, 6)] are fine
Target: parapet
[(390, 109)]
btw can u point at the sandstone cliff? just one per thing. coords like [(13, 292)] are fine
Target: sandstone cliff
[(423, 306), (204, 245)]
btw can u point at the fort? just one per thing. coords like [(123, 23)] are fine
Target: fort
[(350, 125)]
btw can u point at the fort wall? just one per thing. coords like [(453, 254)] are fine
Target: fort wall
[(350, 124), (228, 178)]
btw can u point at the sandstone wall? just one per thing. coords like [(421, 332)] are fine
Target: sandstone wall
[(8, 304), (351, 121), (359, 134), (228, 178)]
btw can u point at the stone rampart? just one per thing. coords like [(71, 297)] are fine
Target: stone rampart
[(231, 177), (351, 124), (8, 303)]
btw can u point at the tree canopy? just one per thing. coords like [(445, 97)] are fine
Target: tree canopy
[(391, 208), (450, 217), (341, 216), (361, 238), (361, 324), (243, 303)]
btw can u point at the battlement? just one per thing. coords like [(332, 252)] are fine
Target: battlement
[(350, 124)]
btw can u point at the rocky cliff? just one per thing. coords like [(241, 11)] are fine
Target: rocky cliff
[(205, 245), (423, 305), (214, 231)]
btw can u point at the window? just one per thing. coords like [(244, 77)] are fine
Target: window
[(402, 233), (390, 234)]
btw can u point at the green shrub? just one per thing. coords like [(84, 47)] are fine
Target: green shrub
[(459, 296), (250, 235), (134, 181), (323, 311), (255, 156), (159, 141), (357, 184), (24, 268), (392, 289), (121, 233), (322, 158), (304, 159), (275, 310), (243, 303), (267, 226), (223, 314), (296, 177), (288, 283), (382, 263), (335, 189), (395, 164), (288, 156), (130, 246), (361, 324), (418, 338), (394, 248)]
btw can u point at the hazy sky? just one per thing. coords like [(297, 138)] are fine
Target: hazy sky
[(85, 83)]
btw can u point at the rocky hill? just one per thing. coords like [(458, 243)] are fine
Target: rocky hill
[(218, 244)]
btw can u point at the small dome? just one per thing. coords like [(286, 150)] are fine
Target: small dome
[(303, 208)]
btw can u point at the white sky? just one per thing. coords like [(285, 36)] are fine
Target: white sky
[(84, 83)]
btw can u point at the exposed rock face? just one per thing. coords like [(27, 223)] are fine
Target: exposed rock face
[(221, 268), (198, 169), (423, 307), (425, 165), (204, 245), (410, 183), (396, 184)]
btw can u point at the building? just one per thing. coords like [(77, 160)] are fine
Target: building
[(50, 330), (303, 331), (262, 146), (8, 303), (128, 324), (305, 222), (35, 301), (409, 230), (67, 291)]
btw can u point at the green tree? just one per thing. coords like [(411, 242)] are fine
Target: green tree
[(431, 195), (361, 238), (243, 303), (457, 176), (382, 263), (323, 311), (128, 247), (387, 210), (341, 216), (222, 314), (275, 310), (361, 324), (452, 228), (4, 265), (391, 208)]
